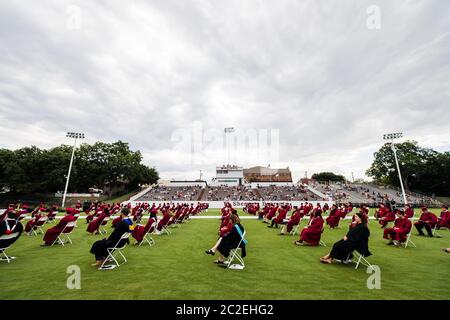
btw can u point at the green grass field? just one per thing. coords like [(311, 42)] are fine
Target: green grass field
[(177, 268)]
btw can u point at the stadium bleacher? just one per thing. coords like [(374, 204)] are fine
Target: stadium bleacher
[(287, 193), (225, 193), (339, 192), (164, 193), (370, 194)]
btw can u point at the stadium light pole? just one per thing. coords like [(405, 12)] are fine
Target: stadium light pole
[(391, 137), (228, 130), (76, 136)]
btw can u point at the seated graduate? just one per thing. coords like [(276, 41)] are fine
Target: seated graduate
[(167, 215), (94, 225), (99, 248), (279, 219), (356, 239), (271, 214), (262, 213), (52, 233), (312, 233), (444, 219), (388, 217), (399, 233), (428, 220), (4, 215), (381, 212), (10, 225), (231, 240), (31, 225), (409, 212), (225, 228), (334, 217), (293, 221), (140, 231)]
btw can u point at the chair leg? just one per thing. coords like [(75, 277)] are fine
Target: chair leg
[(357, 263)]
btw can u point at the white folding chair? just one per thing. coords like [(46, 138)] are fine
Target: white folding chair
[(435, 233), (235, 255), (76, 219), (361, 260), (321, 242), (42, 220), (102, 228), (296, 229), (59, 240), (147, 238), (409, 241), (166, 230), (5, 257), (22, 216), (112, 252)]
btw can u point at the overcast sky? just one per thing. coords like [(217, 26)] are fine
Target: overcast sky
[(168, 77)]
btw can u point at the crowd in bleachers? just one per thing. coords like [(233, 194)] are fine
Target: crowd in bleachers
[(287, 193), (341, 192), (164, 193), (371, 195), (226, 193)]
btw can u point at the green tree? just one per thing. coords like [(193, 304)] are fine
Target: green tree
[(327, 176), (31, 170), (422, 169)]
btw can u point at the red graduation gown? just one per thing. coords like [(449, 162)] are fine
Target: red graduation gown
[(333, 218), (313, 232), (32, 222), (427, 218), (164, 221), (94, 225), (400, 230), (293, 221), (444, 221), (390, 216), (279, 219), (52, 234), (140, 231)]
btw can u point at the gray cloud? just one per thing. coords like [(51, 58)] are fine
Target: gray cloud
[(140, 71)]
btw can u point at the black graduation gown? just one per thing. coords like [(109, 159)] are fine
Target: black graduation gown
[(99, 248), (15, 226), (231, 241), (357, 239)]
